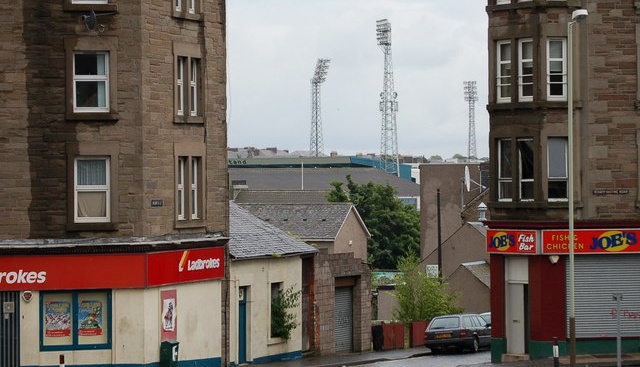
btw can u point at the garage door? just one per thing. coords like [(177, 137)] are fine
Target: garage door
[(344, 319)]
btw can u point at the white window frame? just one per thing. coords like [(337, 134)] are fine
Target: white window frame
[(180, 85), (193, 86), (521, 179), (500, 2), (178, 4), (556, 157), (500, 78), (525, 80), (188, 185), (180, 194), (192, 6), (563, 60), (106, 189), (504, 182), (195, 180), (101, 78)]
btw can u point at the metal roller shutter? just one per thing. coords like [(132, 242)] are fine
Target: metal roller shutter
[(9, 332), (596, 279), (344, 319)]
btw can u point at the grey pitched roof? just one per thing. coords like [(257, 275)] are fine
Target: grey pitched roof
[(320, 222), (318, 178), (480, 269), (254, 238), (281, 197)]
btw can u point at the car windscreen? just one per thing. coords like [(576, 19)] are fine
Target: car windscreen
[(445, 323)]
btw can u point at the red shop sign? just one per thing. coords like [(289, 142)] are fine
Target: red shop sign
[(72, 272), (185, 266), (592, 241), (511, 242)]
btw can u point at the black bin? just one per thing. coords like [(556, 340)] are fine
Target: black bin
[(169, 354)]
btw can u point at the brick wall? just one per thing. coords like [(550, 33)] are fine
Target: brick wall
[(328, 267)]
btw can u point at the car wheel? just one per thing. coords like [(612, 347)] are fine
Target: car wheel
[(475, 346)]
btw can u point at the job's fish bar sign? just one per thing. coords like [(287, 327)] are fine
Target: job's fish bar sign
[(592, 241), (512, 242)]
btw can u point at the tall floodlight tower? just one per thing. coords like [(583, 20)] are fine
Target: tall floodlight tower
[(316, 145), (389, 160), (471, 96)]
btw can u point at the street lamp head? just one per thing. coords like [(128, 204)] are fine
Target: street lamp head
[(579, 14)]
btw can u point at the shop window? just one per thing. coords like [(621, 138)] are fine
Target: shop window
[(75, 320), (525, 70), (503, 75), (188, 84), (557, 177), (556, 69), (505, 176), (189, 184)]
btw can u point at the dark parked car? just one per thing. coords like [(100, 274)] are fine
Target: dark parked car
[(466, 331), (486, 316)]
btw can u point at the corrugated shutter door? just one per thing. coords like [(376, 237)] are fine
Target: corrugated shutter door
[(9, 330), (344, 319), (596, 279)]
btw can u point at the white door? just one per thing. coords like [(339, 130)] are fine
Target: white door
[(515, 319), (516, 304)]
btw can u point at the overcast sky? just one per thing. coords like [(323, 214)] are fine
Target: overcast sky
[(273, 46)]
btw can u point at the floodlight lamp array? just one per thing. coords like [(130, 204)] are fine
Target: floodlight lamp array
[(320, 74), (383, 32)]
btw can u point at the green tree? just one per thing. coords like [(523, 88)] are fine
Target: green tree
[(394, 226), (421, 297)]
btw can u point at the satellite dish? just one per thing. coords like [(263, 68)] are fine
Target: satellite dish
[(467, 178), (90, 20)]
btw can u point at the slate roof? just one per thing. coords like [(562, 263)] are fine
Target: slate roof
[(254, 238), (320, 222), (479, 269), (318, 178), (281, 197)]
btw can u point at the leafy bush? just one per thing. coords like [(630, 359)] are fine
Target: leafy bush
[(283, 321)]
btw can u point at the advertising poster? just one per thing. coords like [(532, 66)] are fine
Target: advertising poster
[(57, 321), (169, 316), (90, 318)]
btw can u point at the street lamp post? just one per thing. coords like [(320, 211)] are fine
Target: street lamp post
[(576, 16)]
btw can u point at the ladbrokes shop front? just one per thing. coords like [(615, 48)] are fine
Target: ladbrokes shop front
[(116, 309), (529, 290)]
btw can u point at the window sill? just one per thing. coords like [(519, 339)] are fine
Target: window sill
[(188, 119), (276, 340), (198, 223), (92, 116), (98, 8), (78, 227), (187, 16)]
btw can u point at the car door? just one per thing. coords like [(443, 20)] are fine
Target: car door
[(484, 332)]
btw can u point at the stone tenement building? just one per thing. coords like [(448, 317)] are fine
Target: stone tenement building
[(113, 193), (550, 60)]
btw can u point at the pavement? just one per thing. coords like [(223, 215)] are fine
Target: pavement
[(354, 359)]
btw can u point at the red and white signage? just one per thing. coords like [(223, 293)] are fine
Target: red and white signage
[(512, 242), (592, 241), (60, 272), (185, 266)]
